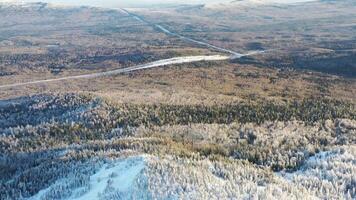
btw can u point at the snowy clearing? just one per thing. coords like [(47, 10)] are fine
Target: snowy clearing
[(327, 174), (116, 178), (112, 181)]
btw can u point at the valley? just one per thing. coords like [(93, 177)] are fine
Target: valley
[(233, 100)]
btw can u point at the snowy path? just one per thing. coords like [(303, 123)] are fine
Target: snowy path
[(159, 63), (122, 177), (112, 181)]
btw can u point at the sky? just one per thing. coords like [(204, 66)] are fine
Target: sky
[(137, 3)]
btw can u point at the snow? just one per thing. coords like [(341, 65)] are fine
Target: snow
[(119, 176), (164, 29), (324, 166), (327, 175), (125, 172)]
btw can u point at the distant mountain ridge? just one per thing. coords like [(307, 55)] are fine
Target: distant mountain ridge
[(145, 3), (254, 2)]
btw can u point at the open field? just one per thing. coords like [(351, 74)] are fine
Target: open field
[(321, 40)]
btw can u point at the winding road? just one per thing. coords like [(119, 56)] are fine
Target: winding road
[(159, 63), (168, 32)]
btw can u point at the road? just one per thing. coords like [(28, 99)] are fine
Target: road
[(159, 63), (168, 32)]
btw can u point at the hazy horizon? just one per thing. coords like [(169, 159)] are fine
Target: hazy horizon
[(115, 3), (138, 3)]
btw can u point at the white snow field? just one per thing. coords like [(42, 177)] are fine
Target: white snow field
[(116, 180), (330, 174), (326, 175)]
